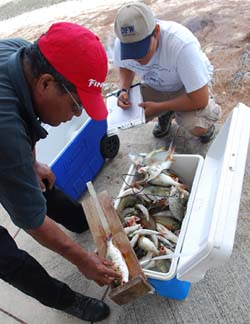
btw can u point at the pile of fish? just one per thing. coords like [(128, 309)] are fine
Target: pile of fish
[(152, 207)]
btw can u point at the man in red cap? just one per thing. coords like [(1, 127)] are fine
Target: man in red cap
[(49, 81)]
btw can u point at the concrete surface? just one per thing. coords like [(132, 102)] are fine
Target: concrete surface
[(222, 297)]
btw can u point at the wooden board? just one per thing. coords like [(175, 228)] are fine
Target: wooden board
[(137, 285)]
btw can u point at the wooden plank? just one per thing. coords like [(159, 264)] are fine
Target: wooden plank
[(95, 226), (137, 285), (99, 208)]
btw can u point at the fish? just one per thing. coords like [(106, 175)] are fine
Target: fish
[(125, 202), (166, 242), (128, 213), (169, 222), (131, 220), (154, 239), (144, 261), (149, 265), (114, 254), (155, 202), (147, 245), (162, 265), (136, 158), (144, 231), (131, 229), (164, 250), (129, 192), (149, 172), (134, 240), (155, 193), (177, 202), (165, 180), (149, 224), (161, 157), (143, 210), (166, 233)]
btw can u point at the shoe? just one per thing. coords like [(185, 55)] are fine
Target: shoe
[(208, 136), (164, 123), (88, 309)]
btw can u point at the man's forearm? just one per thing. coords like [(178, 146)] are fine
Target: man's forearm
[(91, 265), (51, 236), (126, 78), (181, 103), (188, 102)]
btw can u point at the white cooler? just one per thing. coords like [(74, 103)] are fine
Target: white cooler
[(208, 229)]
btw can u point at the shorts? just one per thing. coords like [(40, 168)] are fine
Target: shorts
[(203, 118)]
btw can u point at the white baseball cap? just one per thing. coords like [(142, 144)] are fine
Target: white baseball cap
[(134, 25)]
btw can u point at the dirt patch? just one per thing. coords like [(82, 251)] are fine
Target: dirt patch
[(222, 27)]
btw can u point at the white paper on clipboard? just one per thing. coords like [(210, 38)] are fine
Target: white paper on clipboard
[(118, 118)]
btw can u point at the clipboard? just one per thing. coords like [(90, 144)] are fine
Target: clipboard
[(119, 119)]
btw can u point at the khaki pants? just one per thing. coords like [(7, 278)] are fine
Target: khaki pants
[(203, 118)]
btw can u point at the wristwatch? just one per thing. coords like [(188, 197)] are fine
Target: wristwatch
[(120, 91)]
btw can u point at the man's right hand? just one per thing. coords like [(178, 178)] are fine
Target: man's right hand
[(98, 269), (50, 235), (123, 100)]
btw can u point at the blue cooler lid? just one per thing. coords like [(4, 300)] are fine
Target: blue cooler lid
[(210, 232)]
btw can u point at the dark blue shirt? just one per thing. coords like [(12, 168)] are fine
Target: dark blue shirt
[(20, 193)]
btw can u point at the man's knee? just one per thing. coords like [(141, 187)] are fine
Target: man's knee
[(198, 131)]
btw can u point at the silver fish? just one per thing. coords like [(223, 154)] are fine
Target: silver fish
[(161, 157), (165, 180), (166, 242), (134, 240), (147, 245), (144, 210), (144, 231), (114, 254), (131, 229), (166, 233)]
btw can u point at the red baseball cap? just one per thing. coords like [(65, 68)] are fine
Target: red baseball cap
[(78, 55)]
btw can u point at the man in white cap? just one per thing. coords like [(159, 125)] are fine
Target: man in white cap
[(175, 72)]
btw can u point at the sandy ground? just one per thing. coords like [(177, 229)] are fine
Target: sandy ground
[(222, 27)]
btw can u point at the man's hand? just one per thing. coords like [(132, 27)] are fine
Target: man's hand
[(152, 109), (50, 235), (123, 100), (98, 269), (43, 171)]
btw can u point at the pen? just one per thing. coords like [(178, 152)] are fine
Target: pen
[(114, 93)]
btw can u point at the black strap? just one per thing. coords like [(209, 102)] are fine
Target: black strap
[(120, 91)]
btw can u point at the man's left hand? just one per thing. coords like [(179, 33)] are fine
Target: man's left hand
[(43, 172), (152, 109)]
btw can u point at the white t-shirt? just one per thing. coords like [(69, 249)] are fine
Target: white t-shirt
[(177, 62)]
